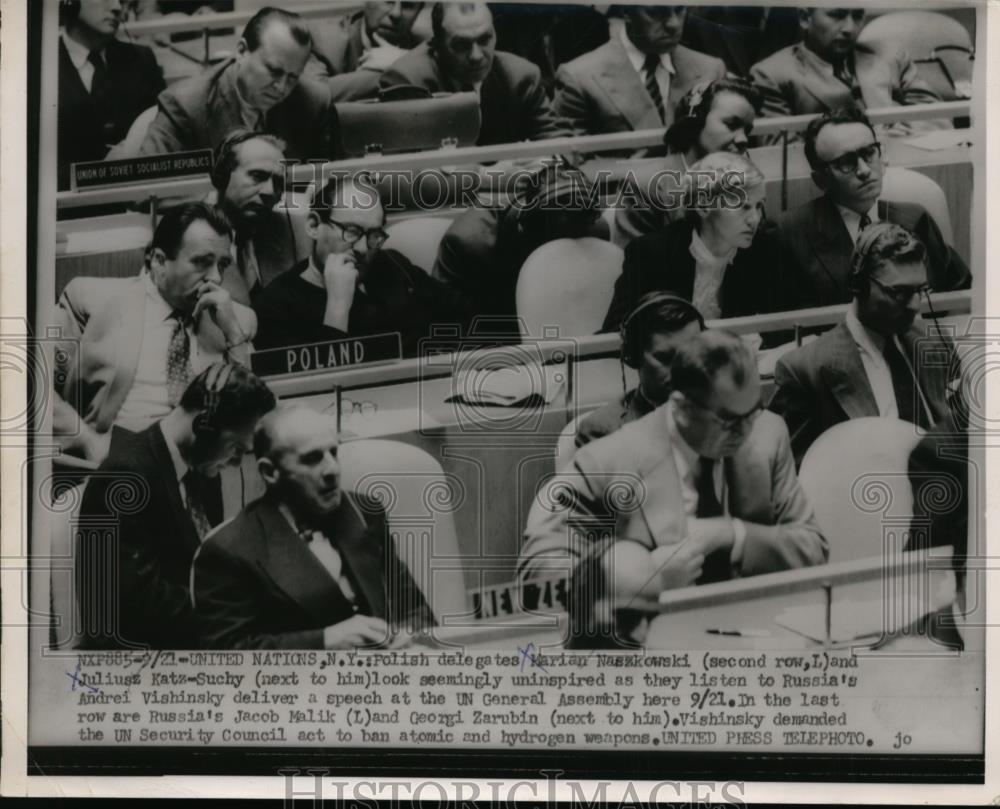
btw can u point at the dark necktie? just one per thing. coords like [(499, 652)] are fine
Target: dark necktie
[(193, 483), (100, 96), (717, 565), (652, 85), (903, 385), (178, 360), (864, 222), (842, 72)]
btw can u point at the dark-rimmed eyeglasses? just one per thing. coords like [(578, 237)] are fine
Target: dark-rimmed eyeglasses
[(352, 234), (728, 422), (848, 162), (902, 294)]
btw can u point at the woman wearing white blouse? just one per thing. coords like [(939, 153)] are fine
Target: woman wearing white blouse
[(718, 257)]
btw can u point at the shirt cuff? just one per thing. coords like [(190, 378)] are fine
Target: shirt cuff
[(739, 540)]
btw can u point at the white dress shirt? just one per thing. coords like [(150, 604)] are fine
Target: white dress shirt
[(686, 461), (870, 346), (147, 398), (852, 219), (664, 71), (80, 57)]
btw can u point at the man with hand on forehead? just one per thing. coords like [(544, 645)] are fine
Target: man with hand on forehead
[(139, 341), (701, 490), (308, 565), (350, 286)]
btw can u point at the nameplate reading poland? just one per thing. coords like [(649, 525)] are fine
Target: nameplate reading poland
[(141, 169), (326, 356)]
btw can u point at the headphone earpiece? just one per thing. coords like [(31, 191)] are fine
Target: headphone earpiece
[(632, 341)]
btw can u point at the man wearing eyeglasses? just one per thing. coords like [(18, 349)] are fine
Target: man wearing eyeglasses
[(703, 489), (350, 286), (816, 239), (874, 363), (830, 69)]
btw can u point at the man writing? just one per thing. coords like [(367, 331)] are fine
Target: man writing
[(307, 566)]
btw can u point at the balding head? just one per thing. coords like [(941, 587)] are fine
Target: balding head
[(296, 451), (464, 41)]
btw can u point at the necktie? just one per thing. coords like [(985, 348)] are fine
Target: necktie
[(328, 556), (716, 566), (196, 503), (864, 222), (842, 72), (903, 385), (178, 360), (652, 85), (100, 96)]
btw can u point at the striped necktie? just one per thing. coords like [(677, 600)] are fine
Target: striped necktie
[(652, 85)]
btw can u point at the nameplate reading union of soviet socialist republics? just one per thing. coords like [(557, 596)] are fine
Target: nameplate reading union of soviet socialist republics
[(141, 169)]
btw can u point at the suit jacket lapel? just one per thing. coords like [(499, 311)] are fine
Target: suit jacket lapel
[(826, 89), (75, 84), (663, 506), (831, 242), (845, 375), (290, 564), (131, 317), (361, 552), (164, 467), (932, 376), (224, 108), (626, 91)]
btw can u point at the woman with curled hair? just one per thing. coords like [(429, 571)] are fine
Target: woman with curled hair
[(716, 116), (717, 256)]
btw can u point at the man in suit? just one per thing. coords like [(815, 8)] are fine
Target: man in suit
[(349, 286), (307, 566), (651, 335), (136, 342), (879, 361), (702, 489), (351, 58), (829, 70), (260, 88), (816, 239), (462, 56), (104, 83), (248, 175), (635, 80), (156, 499)]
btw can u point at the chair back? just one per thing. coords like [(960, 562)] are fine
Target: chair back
[(408, 125), (419, 499), (567, 283), (855, 477), (939, 46), (418, 238), (906, 185)]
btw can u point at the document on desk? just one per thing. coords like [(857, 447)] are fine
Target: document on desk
[(519, 386)]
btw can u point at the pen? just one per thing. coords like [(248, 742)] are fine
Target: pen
[(740, 633)]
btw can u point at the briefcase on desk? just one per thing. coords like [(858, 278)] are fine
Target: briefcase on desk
[(395, 124)]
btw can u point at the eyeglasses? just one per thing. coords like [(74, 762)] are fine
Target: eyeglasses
[(847, 163), (902, 294), (730, 424), (366, 409), (352, 234)]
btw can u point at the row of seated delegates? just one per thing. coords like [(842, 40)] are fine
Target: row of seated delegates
[(482, 252), (139, 340), (879, 360), (261, 88), (104, 83), (700, 490), (349, 285), (308, 565), (718, 256)]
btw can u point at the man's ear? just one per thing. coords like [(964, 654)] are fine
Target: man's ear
[(805, 17), (242, 48), (268, 471), (312, 225), (819, 178)]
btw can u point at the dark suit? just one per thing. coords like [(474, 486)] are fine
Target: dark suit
[(197, 113), (134, 81), (134, 523), (662, 261), (512, 101), (816, 247), (257, 585), (824, 383), (601, 92)]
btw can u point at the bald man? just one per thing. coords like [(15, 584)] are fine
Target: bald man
[(306, 565), (462, 56)]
